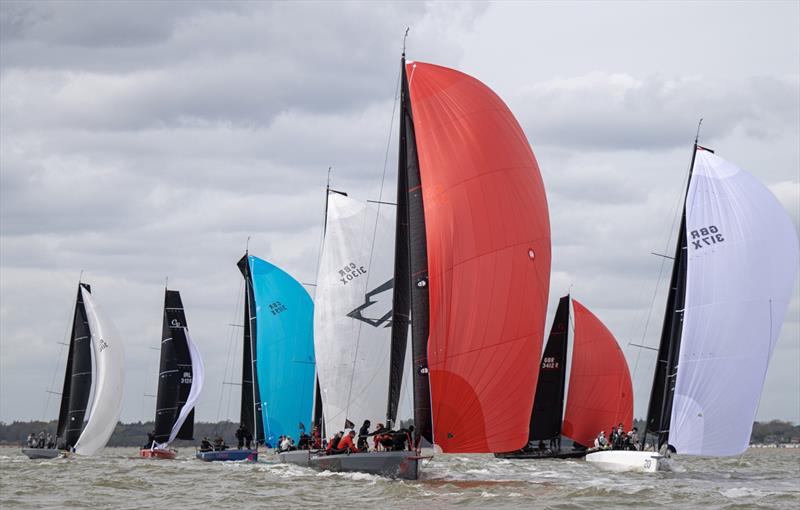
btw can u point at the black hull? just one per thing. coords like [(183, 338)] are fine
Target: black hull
[(542, 454)]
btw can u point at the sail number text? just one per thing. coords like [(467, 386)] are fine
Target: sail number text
[(706, 236)]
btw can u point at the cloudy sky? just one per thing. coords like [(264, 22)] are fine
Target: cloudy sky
[(143, 140)]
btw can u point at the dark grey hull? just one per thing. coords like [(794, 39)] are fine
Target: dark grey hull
[(404, 465), (542, 454), (41, 453)]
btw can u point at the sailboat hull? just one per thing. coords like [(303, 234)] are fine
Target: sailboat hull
[(157, 453), (41, 453), (231, 455), (403, 465), (542, 454), (623, 460)]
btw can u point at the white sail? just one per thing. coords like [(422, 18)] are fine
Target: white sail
[(108, 384), (352, 312), (742, 262), (198, 377)]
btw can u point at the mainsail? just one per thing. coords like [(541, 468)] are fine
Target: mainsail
[(486, 269), (741, 267), (600, 391), (284, 349), (177, 378), (77, 378), (109, 384), (548, 405), (353, 311)]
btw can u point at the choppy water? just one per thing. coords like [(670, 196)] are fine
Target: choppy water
[(764, 478)]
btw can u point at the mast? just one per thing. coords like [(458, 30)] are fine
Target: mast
[(663, 389), (410, 298), (168, 380), (77, 377), (548, 404), (250, 413)]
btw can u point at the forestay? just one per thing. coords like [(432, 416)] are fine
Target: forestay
[(109, 383), (353, 311), (742, 264)]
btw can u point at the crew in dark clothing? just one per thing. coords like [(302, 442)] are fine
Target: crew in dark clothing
[(401, 438), (151, 438), (316, 439), (248, 438), (240, 436), (219, 444), (205, 445), (363, 434), (304, 443)]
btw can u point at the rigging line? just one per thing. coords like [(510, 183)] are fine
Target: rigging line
[(322, 232), (228, 361), (60, 352), (675, 217), (377, 219)]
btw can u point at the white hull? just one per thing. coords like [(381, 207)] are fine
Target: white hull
[(624, 460)]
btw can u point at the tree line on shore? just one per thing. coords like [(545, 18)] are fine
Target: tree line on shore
[(135, 434)]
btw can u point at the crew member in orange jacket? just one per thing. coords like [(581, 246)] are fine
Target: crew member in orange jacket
[(347, 442)]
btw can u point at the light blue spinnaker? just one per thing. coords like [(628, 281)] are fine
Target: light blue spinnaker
[(284, 350)]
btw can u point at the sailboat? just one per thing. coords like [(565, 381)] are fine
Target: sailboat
[(180, 381), (732, 278), (278, 359), (92, 335), (600, 390), (471, 272)]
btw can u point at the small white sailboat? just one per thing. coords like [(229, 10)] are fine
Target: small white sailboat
[(735, 265), (92, 334)]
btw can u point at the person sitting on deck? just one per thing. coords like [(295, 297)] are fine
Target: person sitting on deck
[(333, 444), (40, 443), (363, 433), (601, 443), (380, 434), (205, 445), (401, 438), (346, 444), (31, 440), (51, 441), (286, 444), (219, 444)]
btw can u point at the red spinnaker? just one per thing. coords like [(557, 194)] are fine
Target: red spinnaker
[(488, 235), (600, 392)]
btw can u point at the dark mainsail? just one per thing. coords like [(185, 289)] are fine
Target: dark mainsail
[(175, 321), (250, 415), (548, 404), (411, 277), (168, 381), (77, 378), (659, 410)]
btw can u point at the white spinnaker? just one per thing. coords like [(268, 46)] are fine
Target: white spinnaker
[(198, 377), (742, 263), (109, 381), (353, 354)]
